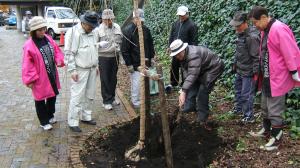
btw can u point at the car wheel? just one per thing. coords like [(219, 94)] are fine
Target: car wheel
[(51, 33)]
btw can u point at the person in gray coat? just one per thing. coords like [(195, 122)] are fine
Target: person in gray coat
[(246, 65), (201, 68)]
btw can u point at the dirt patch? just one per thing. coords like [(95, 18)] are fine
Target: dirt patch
[(227, 145), (193, 146)]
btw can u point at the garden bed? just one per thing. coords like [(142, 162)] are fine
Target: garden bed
[(227, 145)]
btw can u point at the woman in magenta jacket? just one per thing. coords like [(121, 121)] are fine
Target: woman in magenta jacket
[(280, 69), (41, 56)]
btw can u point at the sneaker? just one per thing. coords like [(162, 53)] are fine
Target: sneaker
[(236, 112), (260, 133), (248, 119), (107, 106), (46, 127), (52, 121), (274, 142), (115, 103)]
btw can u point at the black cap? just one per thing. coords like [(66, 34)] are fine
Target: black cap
[(91, 18), (238, 18)]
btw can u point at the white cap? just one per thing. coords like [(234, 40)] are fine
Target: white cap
[(177, 46), (182, 10), (140, 14)]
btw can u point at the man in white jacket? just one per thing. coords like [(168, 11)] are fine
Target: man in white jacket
[(81, 55), (25, 23), (110, 37)]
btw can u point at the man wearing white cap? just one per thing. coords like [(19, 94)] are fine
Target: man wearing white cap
[(110, 37), (131, 52), (25, 23), (201, 68), (186, 30)]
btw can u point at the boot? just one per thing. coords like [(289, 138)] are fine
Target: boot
[(275, 140), (265, 131)]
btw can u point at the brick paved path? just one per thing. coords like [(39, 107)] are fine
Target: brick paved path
[(22, 142)]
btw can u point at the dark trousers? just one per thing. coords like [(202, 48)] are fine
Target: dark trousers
[(174, 73), (244, 94), (197, 98), (272, 109), (45, 109), (108, 67)]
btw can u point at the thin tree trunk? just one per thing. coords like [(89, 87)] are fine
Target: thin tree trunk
[(142, 79), (164, 118)]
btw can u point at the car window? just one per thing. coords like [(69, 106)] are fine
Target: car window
[(66, 14), (50, 14)]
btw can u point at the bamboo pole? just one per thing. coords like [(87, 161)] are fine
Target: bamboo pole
[(91, 4), (164, 119), (142, 79)]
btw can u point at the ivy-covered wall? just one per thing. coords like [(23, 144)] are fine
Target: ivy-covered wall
[(212, 18)]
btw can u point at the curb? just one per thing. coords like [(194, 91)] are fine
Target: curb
[(75, 149)]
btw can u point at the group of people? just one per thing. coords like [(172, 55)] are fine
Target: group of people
[(266, 55)]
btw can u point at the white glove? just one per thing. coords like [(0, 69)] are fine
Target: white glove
[(103, 44), (295, 76)]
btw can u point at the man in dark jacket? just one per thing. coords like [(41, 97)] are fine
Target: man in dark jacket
[(246, 65), (131, 52), (186, 30), (201, 68)]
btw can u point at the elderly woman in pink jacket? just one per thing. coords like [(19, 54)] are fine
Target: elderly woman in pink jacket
[(280, 68), (41, 56)]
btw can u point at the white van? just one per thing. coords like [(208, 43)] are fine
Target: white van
[(59, 19)]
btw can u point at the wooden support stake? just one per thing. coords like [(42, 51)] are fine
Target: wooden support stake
[(164, 119), (142, 79)]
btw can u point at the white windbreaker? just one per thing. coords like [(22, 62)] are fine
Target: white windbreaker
[(80, 48)]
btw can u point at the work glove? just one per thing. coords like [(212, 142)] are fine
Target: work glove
[(130, 69), (295, 76), (103, 44)]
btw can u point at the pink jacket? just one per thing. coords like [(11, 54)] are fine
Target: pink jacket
[(34, 71), (284, 56)]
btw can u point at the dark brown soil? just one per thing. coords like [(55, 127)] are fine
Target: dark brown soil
[(193, 146), (227, 145)]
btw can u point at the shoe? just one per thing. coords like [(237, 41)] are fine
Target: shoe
[(261, 133), (75, 129), (168, 89), (236, 112), (115, 103), (136, 106), (91, 122), (46, 127), (274, 142), (52, 120), (248, 119), (265, 131), (107, 106)]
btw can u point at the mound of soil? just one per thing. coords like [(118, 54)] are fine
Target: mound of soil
[(228, 145), (193, 146)]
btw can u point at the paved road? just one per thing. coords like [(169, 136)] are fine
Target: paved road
[(22, 142)]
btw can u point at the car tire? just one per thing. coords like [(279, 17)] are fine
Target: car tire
[(52, 33)]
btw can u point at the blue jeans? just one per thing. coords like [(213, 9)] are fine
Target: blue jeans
[(244, 94), (197, 99)]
